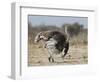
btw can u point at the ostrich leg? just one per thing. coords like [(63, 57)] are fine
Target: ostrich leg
[(66, 48)]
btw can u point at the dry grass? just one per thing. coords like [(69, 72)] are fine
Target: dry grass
[(80, 39), (38, 56)]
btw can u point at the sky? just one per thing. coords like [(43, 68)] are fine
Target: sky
[(57, 20)]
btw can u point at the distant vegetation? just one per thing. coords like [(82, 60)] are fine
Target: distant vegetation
[(77, 32)]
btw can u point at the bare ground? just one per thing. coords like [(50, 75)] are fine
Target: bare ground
[(38, 56)]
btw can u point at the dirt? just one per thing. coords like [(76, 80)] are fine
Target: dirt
[(38, 56)]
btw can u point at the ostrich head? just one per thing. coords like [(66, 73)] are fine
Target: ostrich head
[(39, 37)]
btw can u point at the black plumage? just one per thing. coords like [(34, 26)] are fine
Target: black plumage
[(61, 41)]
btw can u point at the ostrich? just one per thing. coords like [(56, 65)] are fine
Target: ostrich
[(55, 42)]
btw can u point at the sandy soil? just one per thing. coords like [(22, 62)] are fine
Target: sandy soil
[(38, 56)]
